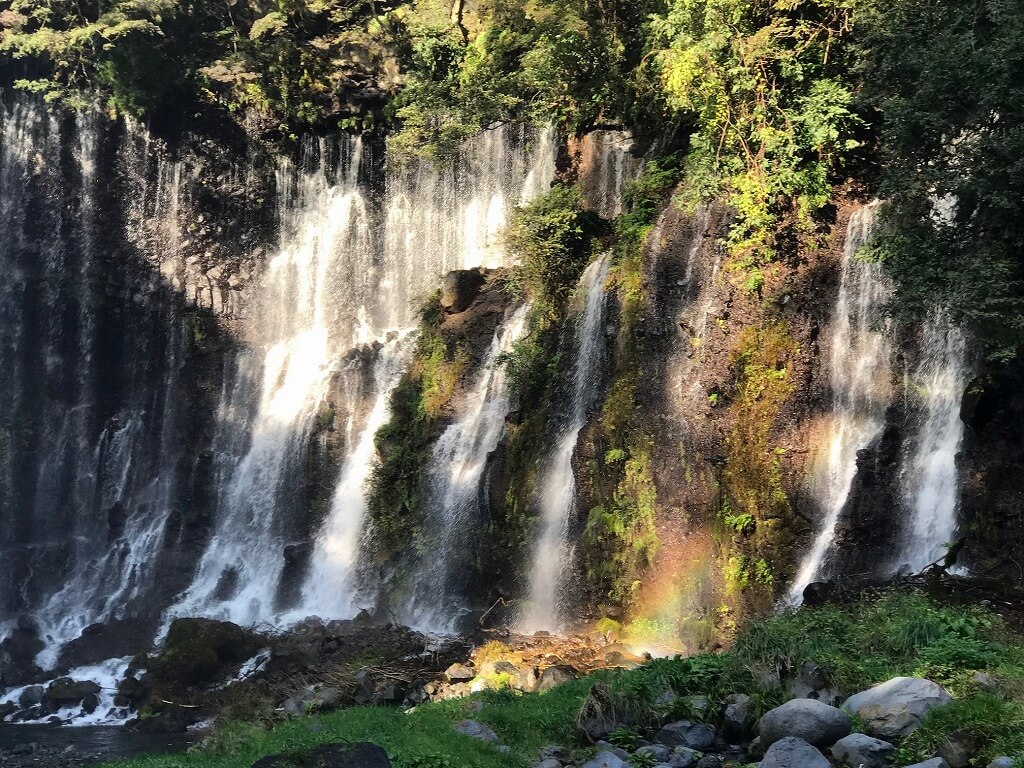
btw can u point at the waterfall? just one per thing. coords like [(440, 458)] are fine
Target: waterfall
[(335, 284), (860, 375), (929, 477), (91, 350), (455, 481), (556, 491), (332, 588), (606, 166)]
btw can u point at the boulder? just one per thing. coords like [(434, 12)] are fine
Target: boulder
[(935, 762), (7, 709), (459, 673), (17, 654), (791, 752), (556, 675), (813, 721), (476, 730), (1001, 762), (65, 692), (315, 698), (606, 760), (709, 761), (459, 289), (859, 749), (357, 755), (684, 757), (812, 683), (959, 747), (31, 696), (525, 679), (90, 703), (657, 753), (895, 708), (106, 641), (686, 733), (738, 718), (202, 651)]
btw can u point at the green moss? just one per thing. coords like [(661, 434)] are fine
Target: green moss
[(755, 513)]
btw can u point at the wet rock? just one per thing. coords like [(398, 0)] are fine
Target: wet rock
[(476, 730), (738, 718), (687, 733), (817, 593), (90, 703), (132, 691), (65, 692), (895, 708), (791, 752), (357, 755), (17, 654), (813, 721), (203, 651), (106, 641), (7, 709), (459, 289), (31, 696), (859, 749)]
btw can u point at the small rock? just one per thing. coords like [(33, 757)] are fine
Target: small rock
[(709, 761), (791, 752), (504, 749), (657, 752), (895, 708), (755, 751), (984, 682), (548, 762), (859, 749), (812, 683), (697, 706), (935, 762), (808, 719), (684, 757), (556, 751), (738, 718), (619, 752), (687, 733), (606, 760), (459, 673), (476, 730), (1001, 762), (959, 747)]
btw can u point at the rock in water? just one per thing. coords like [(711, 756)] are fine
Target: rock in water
[(791, 752), (859, 749), (357, 755), (813, 721), (895, 708)]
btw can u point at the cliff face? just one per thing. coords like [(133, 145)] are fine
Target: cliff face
[(162, 332)]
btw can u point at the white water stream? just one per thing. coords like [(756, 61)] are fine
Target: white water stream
[(556, 491)]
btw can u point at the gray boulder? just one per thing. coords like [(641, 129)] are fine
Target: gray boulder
[(606, 760), (659, 753), (812, 683), (686, 733), (31, 696), (1001, 762), (935, 762), (791, 752), (684, 757), (738, 718), (959, 748), (809, 719), (895, 708), (859, 749), (477, 730)]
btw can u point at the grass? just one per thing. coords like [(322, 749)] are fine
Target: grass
[(857, 645)]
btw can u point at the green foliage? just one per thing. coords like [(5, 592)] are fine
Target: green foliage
[(550, 236), (857, 645), (945, 77)]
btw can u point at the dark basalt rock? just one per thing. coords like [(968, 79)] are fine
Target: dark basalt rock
[(358, 755), (202, 651), (17, 654), (65, 692), (460, 288), (106, 641)]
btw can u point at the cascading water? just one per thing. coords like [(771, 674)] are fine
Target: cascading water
[(88, 412), (556, 492), (455, 479), (333, 588), (336, 284), (929, 478), (860, 374)]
